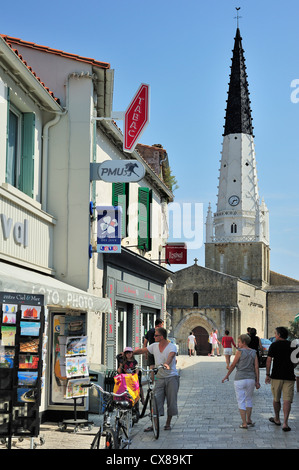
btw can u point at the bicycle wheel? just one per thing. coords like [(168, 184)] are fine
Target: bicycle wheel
[(144, 406), (105, 440), (123, 429), (154, 415)]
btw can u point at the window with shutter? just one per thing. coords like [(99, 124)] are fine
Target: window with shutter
[(27, 157), (120, 197), (20, 149), (144, 219)]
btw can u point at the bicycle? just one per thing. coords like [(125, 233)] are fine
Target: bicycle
[(115, 436), (150, 397)]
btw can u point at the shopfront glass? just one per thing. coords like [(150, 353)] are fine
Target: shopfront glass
[(124, 333)]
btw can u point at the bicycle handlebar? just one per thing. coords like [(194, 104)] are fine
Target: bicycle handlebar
[(92, 384), (155, 370)]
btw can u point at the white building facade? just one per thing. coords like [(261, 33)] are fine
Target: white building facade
[(48, 238)]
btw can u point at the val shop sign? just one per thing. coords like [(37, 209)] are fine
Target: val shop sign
[(176, 253), (117, 171), (109, 229), (136, 117)]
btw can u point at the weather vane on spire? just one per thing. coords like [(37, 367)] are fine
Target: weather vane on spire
[(238, 17)]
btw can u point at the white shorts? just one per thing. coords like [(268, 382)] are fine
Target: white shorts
[(227, 351), (244, 392)]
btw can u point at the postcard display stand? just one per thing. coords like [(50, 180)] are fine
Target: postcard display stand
[(22, 326), (73, 350)]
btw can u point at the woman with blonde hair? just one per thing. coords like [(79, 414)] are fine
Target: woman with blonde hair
[(246, 378)]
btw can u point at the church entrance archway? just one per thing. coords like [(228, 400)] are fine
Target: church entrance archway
[(202, 340)]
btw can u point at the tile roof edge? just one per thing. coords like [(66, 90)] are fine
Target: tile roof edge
[(67, 55), (16, 52)]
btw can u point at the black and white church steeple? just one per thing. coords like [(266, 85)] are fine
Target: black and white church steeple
[(238, 232)]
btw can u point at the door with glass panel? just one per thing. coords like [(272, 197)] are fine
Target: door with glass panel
[(121, 327)]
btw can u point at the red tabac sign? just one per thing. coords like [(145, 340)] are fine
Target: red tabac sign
[(136, 117), (176, 253)]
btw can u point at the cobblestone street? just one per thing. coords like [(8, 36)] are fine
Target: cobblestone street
[(208, 417)]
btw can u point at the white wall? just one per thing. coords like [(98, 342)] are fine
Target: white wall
[(33, 248)]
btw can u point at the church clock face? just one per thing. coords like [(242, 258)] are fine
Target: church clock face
[(234, 200)]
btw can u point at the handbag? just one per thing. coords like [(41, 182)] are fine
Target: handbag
[(130, 382)]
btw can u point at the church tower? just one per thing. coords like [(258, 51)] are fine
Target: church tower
[(237, 234)]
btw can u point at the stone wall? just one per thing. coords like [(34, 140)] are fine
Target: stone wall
[(213, 289), (252, 306), (283, 305), (247, 261)]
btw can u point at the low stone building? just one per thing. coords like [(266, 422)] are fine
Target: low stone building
[(202, 299)]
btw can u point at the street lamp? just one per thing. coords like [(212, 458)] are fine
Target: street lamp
[(169, 283)]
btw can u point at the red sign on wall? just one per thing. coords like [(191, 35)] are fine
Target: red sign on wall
[(136, 118), (176, 253)]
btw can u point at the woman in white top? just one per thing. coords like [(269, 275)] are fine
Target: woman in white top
[(167, 384), (246, 378)]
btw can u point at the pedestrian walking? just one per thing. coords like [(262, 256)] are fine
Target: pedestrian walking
[(191, 344), (282, 376), (210, 343), (227, 342), (215, 343), (168, 380), (255, 342), (246, 379)]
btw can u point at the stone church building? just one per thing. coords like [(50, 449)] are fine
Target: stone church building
[(236, 289)]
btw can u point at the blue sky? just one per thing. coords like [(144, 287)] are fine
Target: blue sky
[(183, 50)]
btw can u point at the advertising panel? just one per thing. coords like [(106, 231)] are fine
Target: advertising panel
[(109, 229), (176, 253)]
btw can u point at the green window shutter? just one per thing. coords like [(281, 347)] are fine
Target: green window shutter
[(27, 157), (120, 197), (144, 218)]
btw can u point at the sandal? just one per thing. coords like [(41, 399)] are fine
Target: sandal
[(286, 429), (149, 429), (274, 422), (167, 428), (251, 424), (243, 427)]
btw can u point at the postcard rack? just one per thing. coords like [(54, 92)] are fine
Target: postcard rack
[(74, 352), (21, 328)]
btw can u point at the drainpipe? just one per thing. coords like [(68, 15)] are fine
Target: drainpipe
[(45, 154)]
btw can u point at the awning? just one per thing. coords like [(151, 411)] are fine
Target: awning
[(57, 293)]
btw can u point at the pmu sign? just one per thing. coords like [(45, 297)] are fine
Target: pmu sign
[(136, 117), (117, 171)]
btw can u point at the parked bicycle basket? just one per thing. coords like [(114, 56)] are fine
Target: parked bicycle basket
[(109, 379), (125, 382)]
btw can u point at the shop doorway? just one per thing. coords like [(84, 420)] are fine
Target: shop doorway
[(148, 318), (202, 340), (123, 326)]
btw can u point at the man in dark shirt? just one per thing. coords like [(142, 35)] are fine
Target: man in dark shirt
[(149, 338), (282, 377)]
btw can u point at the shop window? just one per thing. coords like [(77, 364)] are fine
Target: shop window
[(20, 150), (120, 197), (144, 219)]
